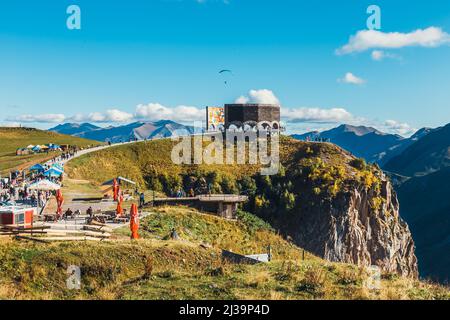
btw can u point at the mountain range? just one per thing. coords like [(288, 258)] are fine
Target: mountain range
[(132, 131), (429, 154), (425, 201), (74, 128), (425, 205), (366, 142)]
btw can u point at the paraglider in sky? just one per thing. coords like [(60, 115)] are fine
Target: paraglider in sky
[(226, 73)]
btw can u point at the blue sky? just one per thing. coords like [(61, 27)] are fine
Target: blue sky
[(144, 60)]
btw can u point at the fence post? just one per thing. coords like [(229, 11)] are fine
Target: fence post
[(269, 252)]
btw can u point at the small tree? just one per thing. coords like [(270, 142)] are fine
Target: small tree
[(358, 163)]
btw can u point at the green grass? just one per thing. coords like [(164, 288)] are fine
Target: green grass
[(250, 236), (12, 139), (138, 161), (152, 159), (157, 269)]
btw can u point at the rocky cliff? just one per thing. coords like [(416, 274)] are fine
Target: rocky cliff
[(363, 235), (342, 209), (360, 226)]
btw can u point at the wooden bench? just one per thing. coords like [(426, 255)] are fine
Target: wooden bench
[(50, 218), (121, 220)]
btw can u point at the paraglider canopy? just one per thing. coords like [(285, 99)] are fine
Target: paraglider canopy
[(226, 73)]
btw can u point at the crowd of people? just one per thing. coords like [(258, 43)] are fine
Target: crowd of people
[(65, 156), (15, 189), (317, 139), (17, 192)]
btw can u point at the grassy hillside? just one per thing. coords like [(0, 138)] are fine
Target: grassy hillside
[(249, 235), (192, 268), (149, 163), (13, 138), (144, 162)]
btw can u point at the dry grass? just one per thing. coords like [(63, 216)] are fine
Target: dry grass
[(156, 269)]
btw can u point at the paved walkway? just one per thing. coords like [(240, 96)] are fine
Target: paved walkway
[(87, 151)]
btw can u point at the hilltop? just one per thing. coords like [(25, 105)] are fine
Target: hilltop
[(191, 268), (327, 201), (13, 138)]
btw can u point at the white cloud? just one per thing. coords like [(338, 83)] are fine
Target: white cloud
[(10, 124), (379, 55), (316, 115), (350, 78), (111, 115), (372, 39), (297, 115), (40, 118), (262, 96), (143, 112), (397, 127), (156, 111), (304, 124), (298, 119), (242, 100)]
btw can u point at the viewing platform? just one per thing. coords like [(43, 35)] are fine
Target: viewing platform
[(222, 205)]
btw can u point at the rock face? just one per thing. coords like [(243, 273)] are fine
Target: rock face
[(349, 229)]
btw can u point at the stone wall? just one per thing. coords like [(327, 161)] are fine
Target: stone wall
[(239, 114)]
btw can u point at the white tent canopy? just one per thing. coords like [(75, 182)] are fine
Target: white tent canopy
[(44, 185)]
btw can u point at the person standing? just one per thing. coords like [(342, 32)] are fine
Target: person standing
[(141, 200)]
